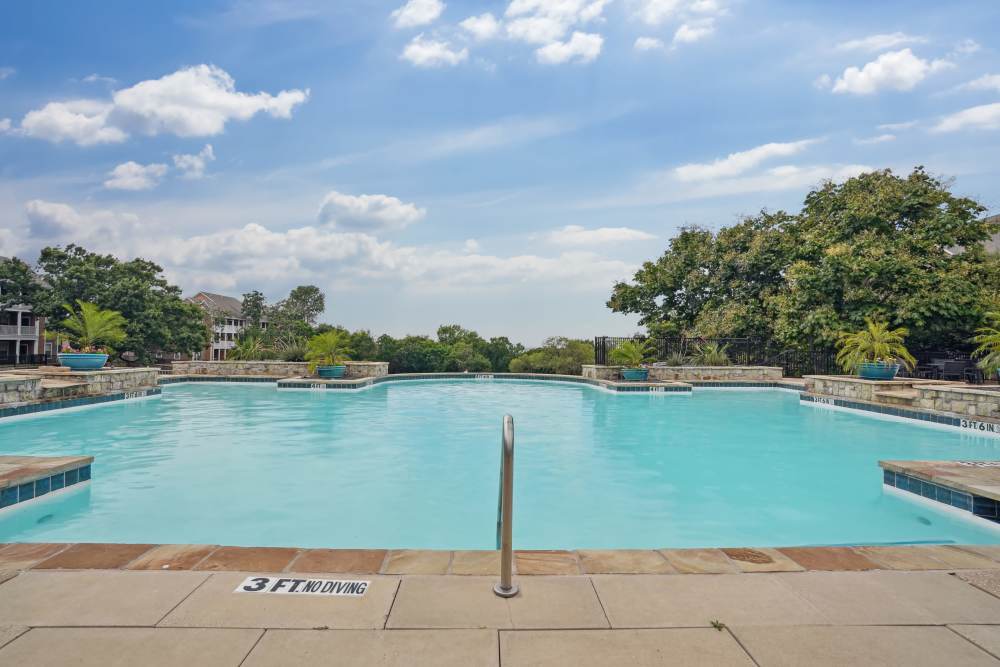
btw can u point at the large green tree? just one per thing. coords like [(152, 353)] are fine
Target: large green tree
[(158, 319), (880, 246)]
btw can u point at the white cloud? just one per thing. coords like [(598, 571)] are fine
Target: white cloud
[(581, 48), (738, 163), (192, 102), (989, 82), (880, 42), (896, 70), (648, 44), (432, 53), (97, 78), (193, 166), (575, 235), (877, 139), (367, 212), (134, 176), (983, 117), (823, 82), (417, 13), (658, 12), (896, 127), (84, 122), (548, 21), (4, 125), (967, 47), (471, 246), (6, 72), (482, 27), (693, 31), (54, 223), (536, 29)]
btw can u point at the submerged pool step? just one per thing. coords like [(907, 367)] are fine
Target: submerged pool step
[(24, 478)]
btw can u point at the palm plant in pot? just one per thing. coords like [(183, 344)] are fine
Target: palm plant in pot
[(876, 352), (326, 354), (988, 351), (632, 355), (89, 329)]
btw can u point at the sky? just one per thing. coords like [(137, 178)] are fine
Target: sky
[(498, 164)]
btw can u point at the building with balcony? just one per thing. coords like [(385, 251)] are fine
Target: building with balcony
[(224, 315), (22, 335)]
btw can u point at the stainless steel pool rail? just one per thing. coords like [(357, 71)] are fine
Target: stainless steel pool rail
[(505, 503)]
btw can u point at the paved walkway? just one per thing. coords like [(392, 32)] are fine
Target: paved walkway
[(831, 609)]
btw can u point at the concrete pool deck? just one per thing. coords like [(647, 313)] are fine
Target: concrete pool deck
[(94, 604)]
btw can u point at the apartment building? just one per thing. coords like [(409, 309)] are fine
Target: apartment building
[(22, 335), (224, 315)]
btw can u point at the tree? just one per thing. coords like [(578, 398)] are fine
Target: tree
[(558, 355), (415, 354), (90, 327), (462, 357), (305, 302), (253, 308), (500, 351), (898, 249), (158, 319), (18, 283)]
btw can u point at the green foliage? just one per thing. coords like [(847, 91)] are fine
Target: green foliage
[(631, 353), (558, 355), (876, 246), (413, 354), (253, 308), (500, 352), (676, 358), (328, 349), (304, 303), (251, 345), (876, 343), (18, 284), (462, 357), (988, 338), (710, 354), (157, 318), (89, 327)]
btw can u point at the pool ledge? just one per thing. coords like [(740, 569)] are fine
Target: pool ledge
[(24, 478), (973, 486)]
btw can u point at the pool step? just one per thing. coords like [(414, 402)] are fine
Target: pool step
[(898, 396)]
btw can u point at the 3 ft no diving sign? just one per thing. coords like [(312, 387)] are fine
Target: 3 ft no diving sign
[(290, 586)]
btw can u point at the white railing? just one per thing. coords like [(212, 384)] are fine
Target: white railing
[(14, 330)]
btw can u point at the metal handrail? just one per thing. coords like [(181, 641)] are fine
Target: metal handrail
[(505, 504)]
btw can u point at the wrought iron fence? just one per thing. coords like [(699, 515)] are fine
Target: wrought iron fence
[(24, 360), (740, 352)]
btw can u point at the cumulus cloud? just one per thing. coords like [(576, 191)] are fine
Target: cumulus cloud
[(694, 31), (894, 70), (989, 82), (880, 42), (983, 117), (581, 48), (193, 166), (738, 163), (255, 254), (367, 212), (877, 139), (417, 13), (658, 12), (193, 102), (648, 44), (424, 52), (482, 27), (134, 176), (575, 235)]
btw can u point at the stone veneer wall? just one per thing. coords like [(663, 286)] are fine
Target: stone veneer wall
[(855, 388), (693, 373), (14, 389), (95, 383), (278, 369), (959, 400)]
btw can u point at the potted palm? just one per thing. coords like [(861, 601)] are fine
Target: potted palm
[(988, 351), (326, 354), (89, 329), (631, 355), (876, 352)]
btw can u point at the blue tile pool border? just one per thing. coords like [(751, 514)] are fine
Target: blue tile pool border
[(20, 493), (985, 508), (363, 383), (80, 401), (981, 426)]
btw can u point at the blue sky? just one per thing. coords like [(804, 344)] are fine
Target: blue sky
[(497, 164)]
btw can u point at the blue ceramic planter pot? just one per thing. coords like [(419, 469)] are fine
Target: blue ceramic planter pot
[(635, 374), (83, 361), (331, 371), (877, 371)]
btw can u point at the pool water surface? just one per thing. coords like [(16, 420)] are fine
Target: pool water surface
[(416, 464)]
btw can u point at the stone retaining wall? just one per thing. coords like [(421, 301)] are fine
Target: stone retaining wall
[(855, 388), (959, 400), (693, 373), (278, 369), (19, 389), (95, 383)]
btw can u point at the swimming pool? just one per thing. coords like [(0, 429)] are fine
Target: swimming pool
[(415, 465)]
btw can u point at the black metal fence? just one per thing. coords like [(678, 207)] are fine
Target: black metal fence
[(24, 360), (739, 351)]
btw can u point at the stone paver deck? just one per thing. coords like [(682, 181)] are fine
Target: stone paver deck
[(980, 478), (95, 604), (16, 470)]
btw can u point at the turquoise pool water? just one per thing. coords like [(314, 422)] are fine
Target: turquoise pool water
[(415, 464)]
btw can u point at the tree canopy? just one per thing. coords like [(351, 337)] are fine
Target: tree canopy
[(904, 250)]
